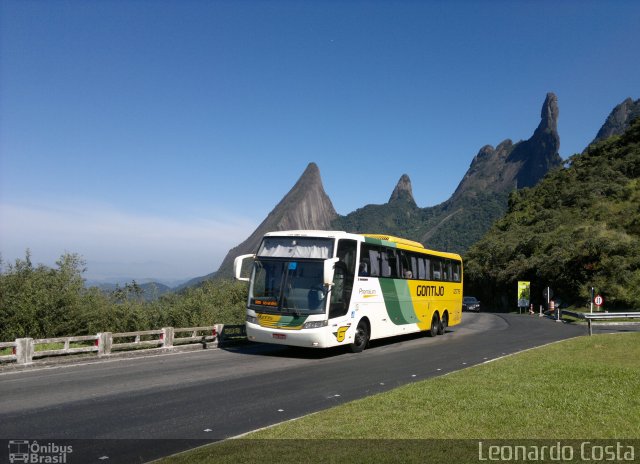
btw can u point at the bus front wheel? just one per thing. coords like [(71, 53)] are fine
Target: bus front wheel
[(361, 337)]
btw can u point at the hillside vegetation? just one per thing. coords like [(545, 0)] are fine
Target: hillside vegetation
[(41, 302), (579, 227), (451, 226)]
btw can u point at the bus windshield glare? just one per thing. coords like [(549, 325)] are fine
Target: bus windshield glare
[(286, 286), (288, 275)]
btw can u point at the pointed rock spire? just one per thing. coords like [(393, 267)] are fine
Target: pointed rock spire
[(305, 207), (538, 155), (403, 190), (549, 114)]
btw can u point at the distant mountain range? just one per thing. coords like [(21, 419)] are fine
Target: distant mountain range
[(481, 197), (151, 289)]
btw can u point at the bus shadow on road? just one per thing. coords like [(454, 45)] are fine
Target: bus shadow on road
[(296, 352)]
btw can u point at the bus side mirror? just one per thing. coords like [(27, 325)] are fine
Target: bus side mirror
[(329, 269), (237, 266)]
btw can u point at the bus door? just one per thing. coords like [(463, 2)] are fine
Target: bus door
[(343, 278)]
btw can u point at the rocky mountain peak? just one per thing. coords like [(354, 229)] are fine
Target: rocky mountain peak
[(520, 164), (549, 114), (305, 207), (619, 119), (311, 176), (403, 190), (533, 158)]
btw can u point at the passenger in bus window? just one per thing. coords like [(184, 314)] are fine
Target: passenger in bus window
[(364, 269)]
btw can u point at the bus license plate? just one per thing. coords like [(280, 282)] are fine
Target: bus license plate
[(279, 336)]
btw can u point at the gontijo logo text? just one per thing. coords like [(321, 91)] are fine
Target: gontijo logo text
[(429, 290)]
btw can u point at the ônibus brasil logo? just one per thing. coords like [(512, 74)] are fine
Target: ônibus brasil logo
[(41, 453)]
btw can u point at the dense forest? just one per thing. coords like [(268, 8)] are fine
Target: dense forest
[(578, 228), (42, 302)]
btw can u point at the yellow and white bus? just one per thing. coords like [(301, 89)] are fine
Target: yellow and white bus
[(328, 288)]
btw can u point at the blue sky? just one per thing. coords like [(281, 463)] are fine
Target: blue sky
[(152, 136)]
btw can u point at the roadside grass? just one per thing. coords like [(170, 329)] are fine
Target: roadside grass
[(584, 388)]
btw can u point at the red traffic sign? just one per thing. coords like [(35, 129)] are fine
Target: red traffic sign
[(598, 300)]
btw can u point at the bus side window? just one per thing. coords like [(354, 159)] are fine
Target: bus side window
[(405, 261), (414, 266), (436, 269), (389, 263), (385, 269), (422, 272), (456, 271), (394, 263), (370, 257)]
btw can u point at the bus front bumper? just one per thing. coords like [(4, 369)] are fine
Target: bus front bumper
[(311, 338)]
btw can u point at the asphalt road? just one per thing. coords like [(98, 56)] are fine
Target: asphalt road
[(136, 410)]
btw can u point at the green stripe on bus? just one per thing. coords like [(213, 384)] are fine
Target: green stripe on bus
[(377, 241), (397, 299), (292, 321)]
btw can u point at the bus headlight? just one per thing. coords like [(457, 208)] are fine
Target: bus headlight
[(315, 324), (252, 319)]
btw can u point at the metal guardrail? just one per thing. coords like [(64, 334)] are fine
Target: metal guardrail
[(25, 350), (601, 316)]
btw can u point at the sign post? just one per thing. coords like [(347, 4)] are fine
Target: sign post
[(592, 297), (598, 301), (524, 294), (547, 294)]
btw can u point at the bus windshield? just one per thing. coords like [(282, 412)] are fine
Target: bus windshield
[(288, 286)]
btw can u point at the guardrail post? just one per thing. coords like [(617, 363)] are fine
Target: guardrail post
[(167, 337), (105, 340), (219, 329), (24, 350)]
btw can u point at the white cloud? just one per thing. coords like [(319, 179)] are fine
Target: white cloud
[(118, 243)]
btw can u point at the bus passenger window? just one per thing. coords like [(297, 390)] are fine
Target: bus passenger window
[(422, 272), (385, 269), (372, 257), (407, 272), (436, 269), (363, 269), (414, 266), (456, 272), (389, 263)]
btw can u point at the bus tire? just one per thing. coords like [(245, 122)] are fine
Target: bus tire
[(442, 328), (361, 337), (435, 326)]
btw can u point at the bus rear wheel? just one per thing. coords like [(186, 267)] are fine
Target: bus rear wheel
[(442, 328), (435, 326), (361, 337)]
